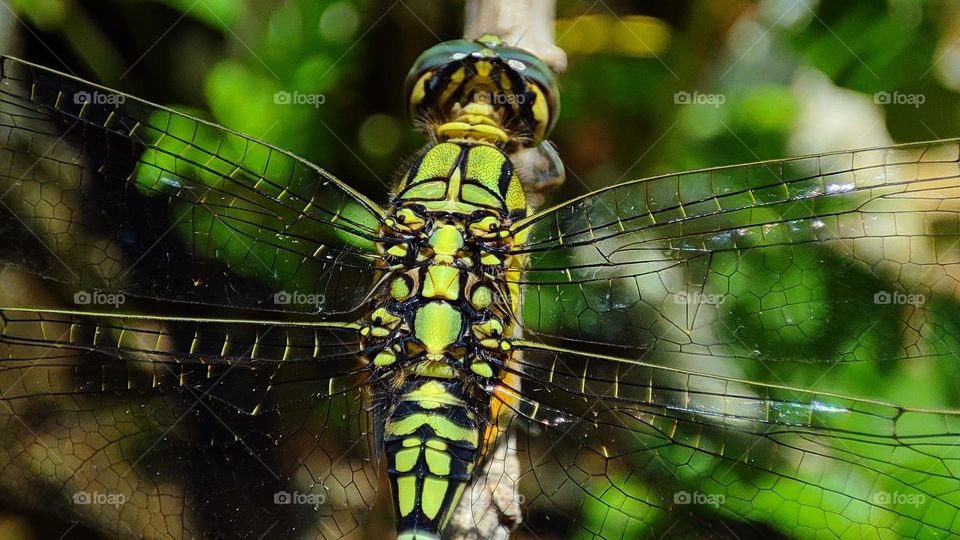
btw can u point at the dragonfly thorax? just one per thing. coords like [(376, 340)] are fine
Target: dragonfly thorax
[(443, 312), (465, 179), (437, 344)]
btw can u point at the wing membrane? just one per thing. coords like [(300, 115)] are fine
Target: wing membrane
[(663, 317), (176, 426), (758, 261), (637, 447), (174, 464), (158, 371), (249, 364), (99, 187)]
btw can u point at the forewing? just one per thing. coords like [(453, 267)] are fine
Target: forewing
[(176, 352), (104, 192), (836, 257)]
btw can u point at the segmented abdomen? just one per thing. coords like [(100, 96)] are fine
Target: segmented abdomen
[(432, 440)]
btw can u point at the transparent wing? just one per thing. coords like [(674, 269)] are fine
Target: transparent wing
[(251, 365), (762, 349), (104, 192), (177, 427), (635, 449), (759, 260), (174, 356)]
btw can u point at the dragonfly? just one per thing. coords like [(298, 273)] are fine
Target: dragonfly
[(203, 334)]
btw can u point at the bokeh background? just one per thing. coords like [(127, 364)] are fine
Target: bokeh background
[(774, 78), (651, 87)]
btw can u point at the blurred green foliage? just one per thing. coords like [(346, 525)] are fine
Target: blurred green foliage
[(619, 117)]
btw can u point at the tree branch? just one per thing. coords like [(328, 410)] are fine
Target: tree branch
[(491, 505), (527, 24)]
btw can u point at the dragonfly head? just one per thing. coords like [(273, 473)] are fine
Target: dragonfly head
[(520, 87)]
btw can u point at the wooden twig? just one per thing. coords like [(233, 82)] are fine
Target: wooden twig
[(491, 506), (527, 24)]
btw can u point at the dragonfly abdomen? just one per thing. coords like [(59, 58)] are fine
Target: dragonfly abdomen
[(431, 442)]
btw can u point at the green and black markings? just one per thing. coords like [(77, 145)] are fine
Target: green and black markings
[(440, 336)]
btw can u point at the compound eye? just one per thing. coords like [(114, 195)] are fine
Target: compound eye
[(487, 227), (408, 219)]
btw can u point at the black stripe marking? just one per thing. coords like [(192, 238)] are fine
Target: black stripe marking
[(503, 183), (415, 168)]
